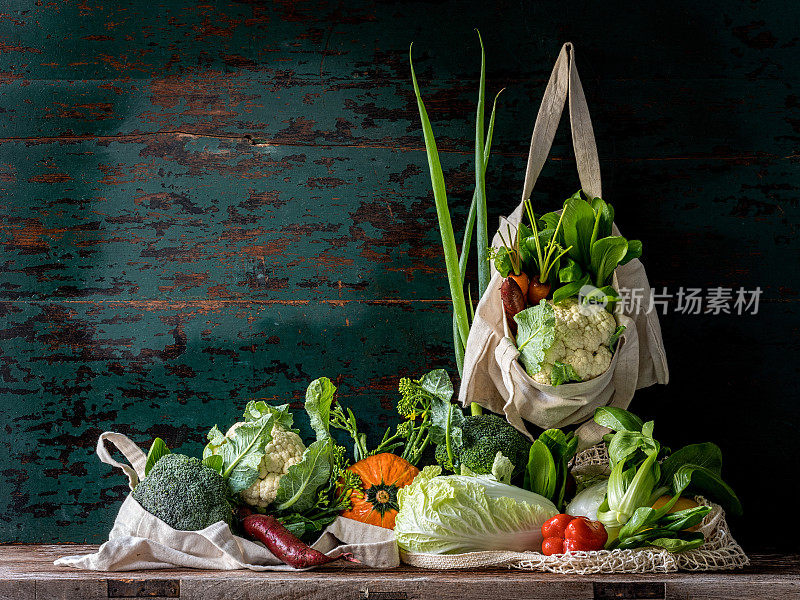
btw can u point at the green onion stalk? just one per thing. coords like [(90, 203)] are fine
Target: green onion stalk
[(476, 219)]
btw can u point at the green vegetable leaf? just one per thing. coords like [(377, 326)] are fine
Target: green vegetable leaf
[(617, 419), (571, 271), (540, 475), (319, 397), (536, 331), (606, 253), (242, 451), (577, 225), (255, 410), (502, 262), (627, 444), (214, 461), (604, 215), (451, 258), (570, 289), (563, 373), (437, 383), (708, 483), (680, 544), (298, 489), (157, 450), (684, 519), (706, 455), (446, 422), (502, 468), (612, 341), (634, 251)]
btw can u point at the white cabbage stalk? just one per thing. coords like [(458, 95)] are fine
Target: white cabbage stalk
[(587, 501), (458, 513)]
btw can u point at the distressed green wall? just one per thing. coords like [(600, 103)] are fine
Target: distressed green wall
[(161, 265)]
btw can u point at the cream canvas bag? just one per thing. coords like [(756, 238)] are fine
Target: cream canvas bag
[(140, 540), (493, 376)]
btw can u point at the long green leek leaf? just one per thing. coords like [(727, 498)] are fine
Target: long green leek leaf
[(443, 213), (480, 182), (467, 243), (473, 207)]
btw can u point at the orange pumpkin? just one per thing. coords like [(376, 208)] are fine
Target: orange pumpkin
[(382, 475)]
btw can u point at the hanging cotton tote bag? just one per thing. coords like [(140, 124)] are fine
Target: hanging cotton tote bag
[(493, 376), (139, 540)]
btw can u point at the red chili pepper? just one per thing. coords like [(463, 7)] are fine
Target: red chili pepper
[(564, 533)]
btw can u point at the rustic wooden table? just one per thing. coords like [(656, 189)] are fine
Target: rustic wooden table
[(27, 573)]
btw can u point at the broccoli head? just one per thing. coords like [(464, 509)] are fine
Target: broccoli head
[(184, 493), (482, 437)]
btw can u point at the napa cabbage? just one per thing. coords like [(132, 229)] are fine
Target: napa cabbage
[(459, 513)]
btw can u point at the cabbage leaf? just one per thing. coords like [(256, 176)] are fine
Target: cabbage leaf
[(457, 513)]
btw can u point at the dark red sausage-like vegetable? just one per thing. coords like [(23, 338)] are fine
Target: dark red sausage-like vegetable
[(285, 546), (513, 301)]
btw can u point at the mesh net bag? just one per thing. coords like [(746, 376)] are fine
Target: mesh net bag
[(719, 552)]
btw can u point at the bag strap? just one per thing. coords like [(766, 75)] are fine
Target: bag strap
[(132, 452), (564, 81)]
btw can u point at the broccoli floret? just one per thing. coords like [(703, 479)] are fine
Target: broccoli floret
[(482, 437), (184, 493)]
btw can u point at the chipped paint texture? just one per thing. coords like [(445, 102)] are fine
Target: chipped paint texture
[(203, 203)]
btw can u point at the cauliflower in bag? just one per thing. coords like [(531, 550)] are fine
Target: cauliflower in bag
[(566, 342)]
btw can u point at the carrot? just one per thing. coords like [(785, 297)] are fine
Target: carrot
[(522, 281), (513, 301), (537, 291), (285, 546)]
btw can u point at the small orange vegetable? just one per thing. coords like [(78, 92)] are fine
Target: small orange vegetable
[(382, 475)]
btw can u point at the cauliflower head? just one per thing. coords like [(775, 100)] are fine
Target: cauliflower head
[(284, 450), (581, 341)]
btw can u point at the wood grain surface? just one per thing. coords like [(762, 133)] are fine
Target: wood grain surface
[(27, 573), (203, 203)]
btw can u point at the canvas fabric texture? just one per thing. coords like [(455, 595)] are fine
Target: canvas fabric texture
[(140, 540)]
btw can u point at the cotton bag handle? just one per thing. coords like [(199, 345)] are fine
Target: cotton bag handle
[(132, 452), (564, 82)]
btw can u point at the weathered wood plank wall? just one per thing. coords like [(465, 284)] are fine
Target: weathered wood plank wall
[(207, 202)]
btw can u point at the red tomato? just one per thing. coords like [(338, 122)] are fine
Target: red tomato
[(583, 534), (552, 545), (556, 526)]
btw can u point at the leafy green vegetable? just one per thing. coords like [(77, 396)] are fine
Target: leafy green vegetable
[(563, 373), (457, 513), (570, 271), (617, 419), (548, 465), (502, 468), (446, 423), (298, 489), (570, 289), (707, 482), (215, 462), (540, 476), (637, 478), (319, 398), (480, 181), (612, 341), (536, 332), (634, 251), (244, 448), (605, 254), (445, 224), (578, 223), (158, 449)]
